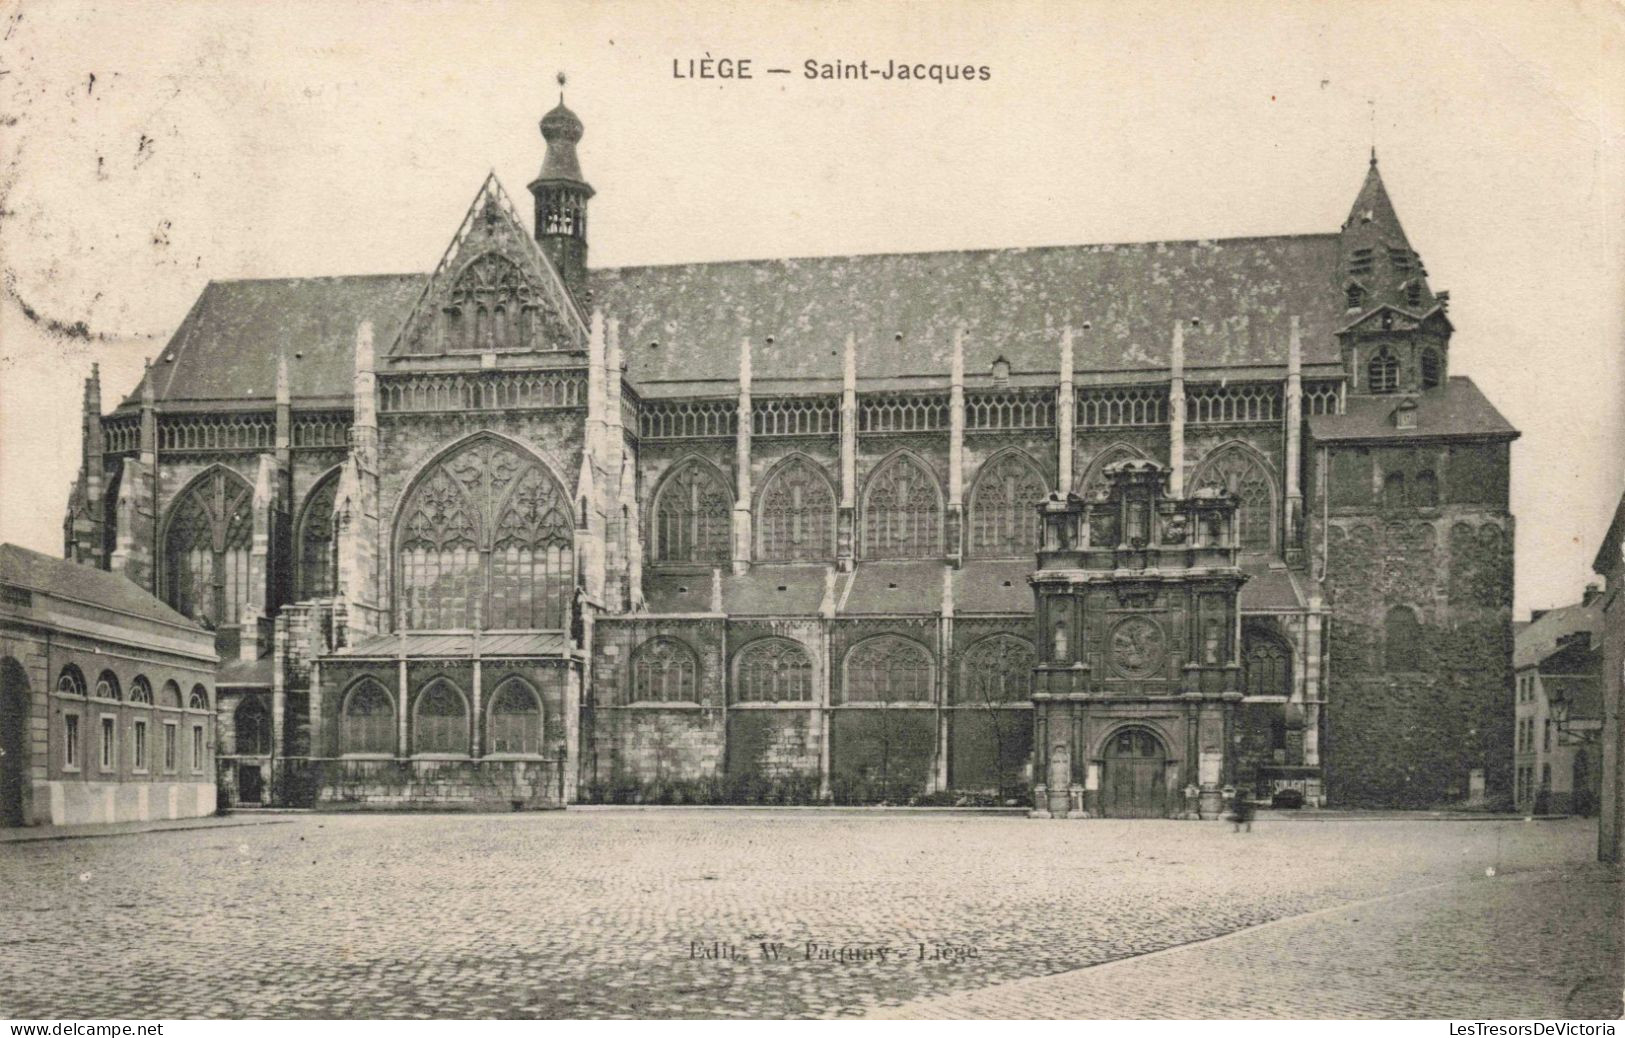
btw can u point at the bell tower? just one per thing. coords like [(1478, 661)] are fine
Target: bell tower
[(561, 199)]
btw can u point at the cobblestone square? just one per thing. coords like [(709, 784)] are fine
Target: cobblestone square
[(665, 913)]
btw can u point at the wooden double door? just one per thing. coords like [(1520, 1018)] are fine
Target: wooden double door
[(1133, 775)]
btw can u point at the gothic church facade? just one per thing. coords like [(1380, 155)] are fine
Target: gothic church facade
[(522, 532)]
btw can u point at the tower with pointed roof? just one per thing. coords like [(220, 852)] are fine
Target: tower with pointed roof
[(1396, 337), (561, 194)]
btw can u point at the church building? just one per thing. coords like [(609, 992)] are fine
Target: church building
[(1102, 529)]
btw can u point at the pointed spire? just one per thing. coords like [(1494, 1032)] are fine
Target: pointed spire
[(1379, 265), (149, 392)]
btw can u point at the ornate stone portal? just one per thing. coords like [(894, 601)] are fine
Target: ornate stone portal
[(1138, 676)]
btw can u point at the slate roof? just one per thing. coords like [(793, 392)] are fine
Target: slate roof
[(71, 580), (225, 351), (774, 590), (433, 644), (1457, 408), (1268, 586), (994, 586), (1539, 640), (893, 588), (1013, 302)]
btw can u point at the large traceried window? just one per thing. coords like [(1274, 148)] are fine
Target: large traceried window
[(693, 516), (317, 548), (664, 670), (1266, 665), (797, 518), (1004, 508), (996, 671), (440, 719), (485, 541), (367, 724), (902, 512), (206, 546), (772, 670), (493, 306), (889, 668), (1238, 471), (516, 719)]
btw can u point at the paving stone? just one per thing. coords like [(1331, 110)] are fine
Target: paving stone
[(597, 913)]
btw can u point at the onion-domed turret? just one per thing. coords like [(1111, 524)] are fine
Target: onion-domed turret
[(561, 198)]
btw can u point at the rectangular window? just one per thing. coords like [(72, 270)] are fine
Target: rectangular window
[(109, 744), (70, 742), (140, 746), (171, 743), (1546, 739), (197, 747)]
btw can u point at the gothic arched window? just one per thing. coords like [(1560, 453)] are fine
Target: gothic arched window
[(206, 545), (487, 306), (1402, 640), (1004, 508), (485, 540), (1383, 372), (693, 516), (888, 668), (440, 719), (797, 516), (317, 548), (1239, 471), (367, 724), (772, 670), (251, 728), (902, 512), (664, 670), (1266, 665), (1431, 373), (996, 670), (516, 719)]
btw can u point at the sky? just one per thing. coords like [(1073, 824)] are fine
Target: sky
[(150, 147)]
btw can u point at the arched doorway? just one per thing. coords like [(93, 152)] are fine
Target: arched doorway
[(1132, 783), (13, 742)]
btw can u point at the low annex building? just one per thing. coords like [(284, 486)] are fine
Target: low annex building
[(106, 699), (522, 532)]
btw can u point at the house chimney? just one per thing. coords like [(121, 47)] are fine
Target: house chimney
[(1592, 593)]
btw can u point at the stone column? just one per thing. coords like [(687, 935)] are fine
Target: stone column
[(282, 564), (1176, 414), (1065, 406), (953, 528), (1059, 733), (401, 704), (847, 533), (1292, 539), (476, 712), (742, 493), (945, 654), (318, 748), (356, 505)]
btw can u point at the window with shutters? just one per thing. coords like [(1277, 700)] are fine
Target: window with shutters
[(902, 512), (693, 516), (1382, 374), (797, 514), (1004, 508), (206, 546)]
